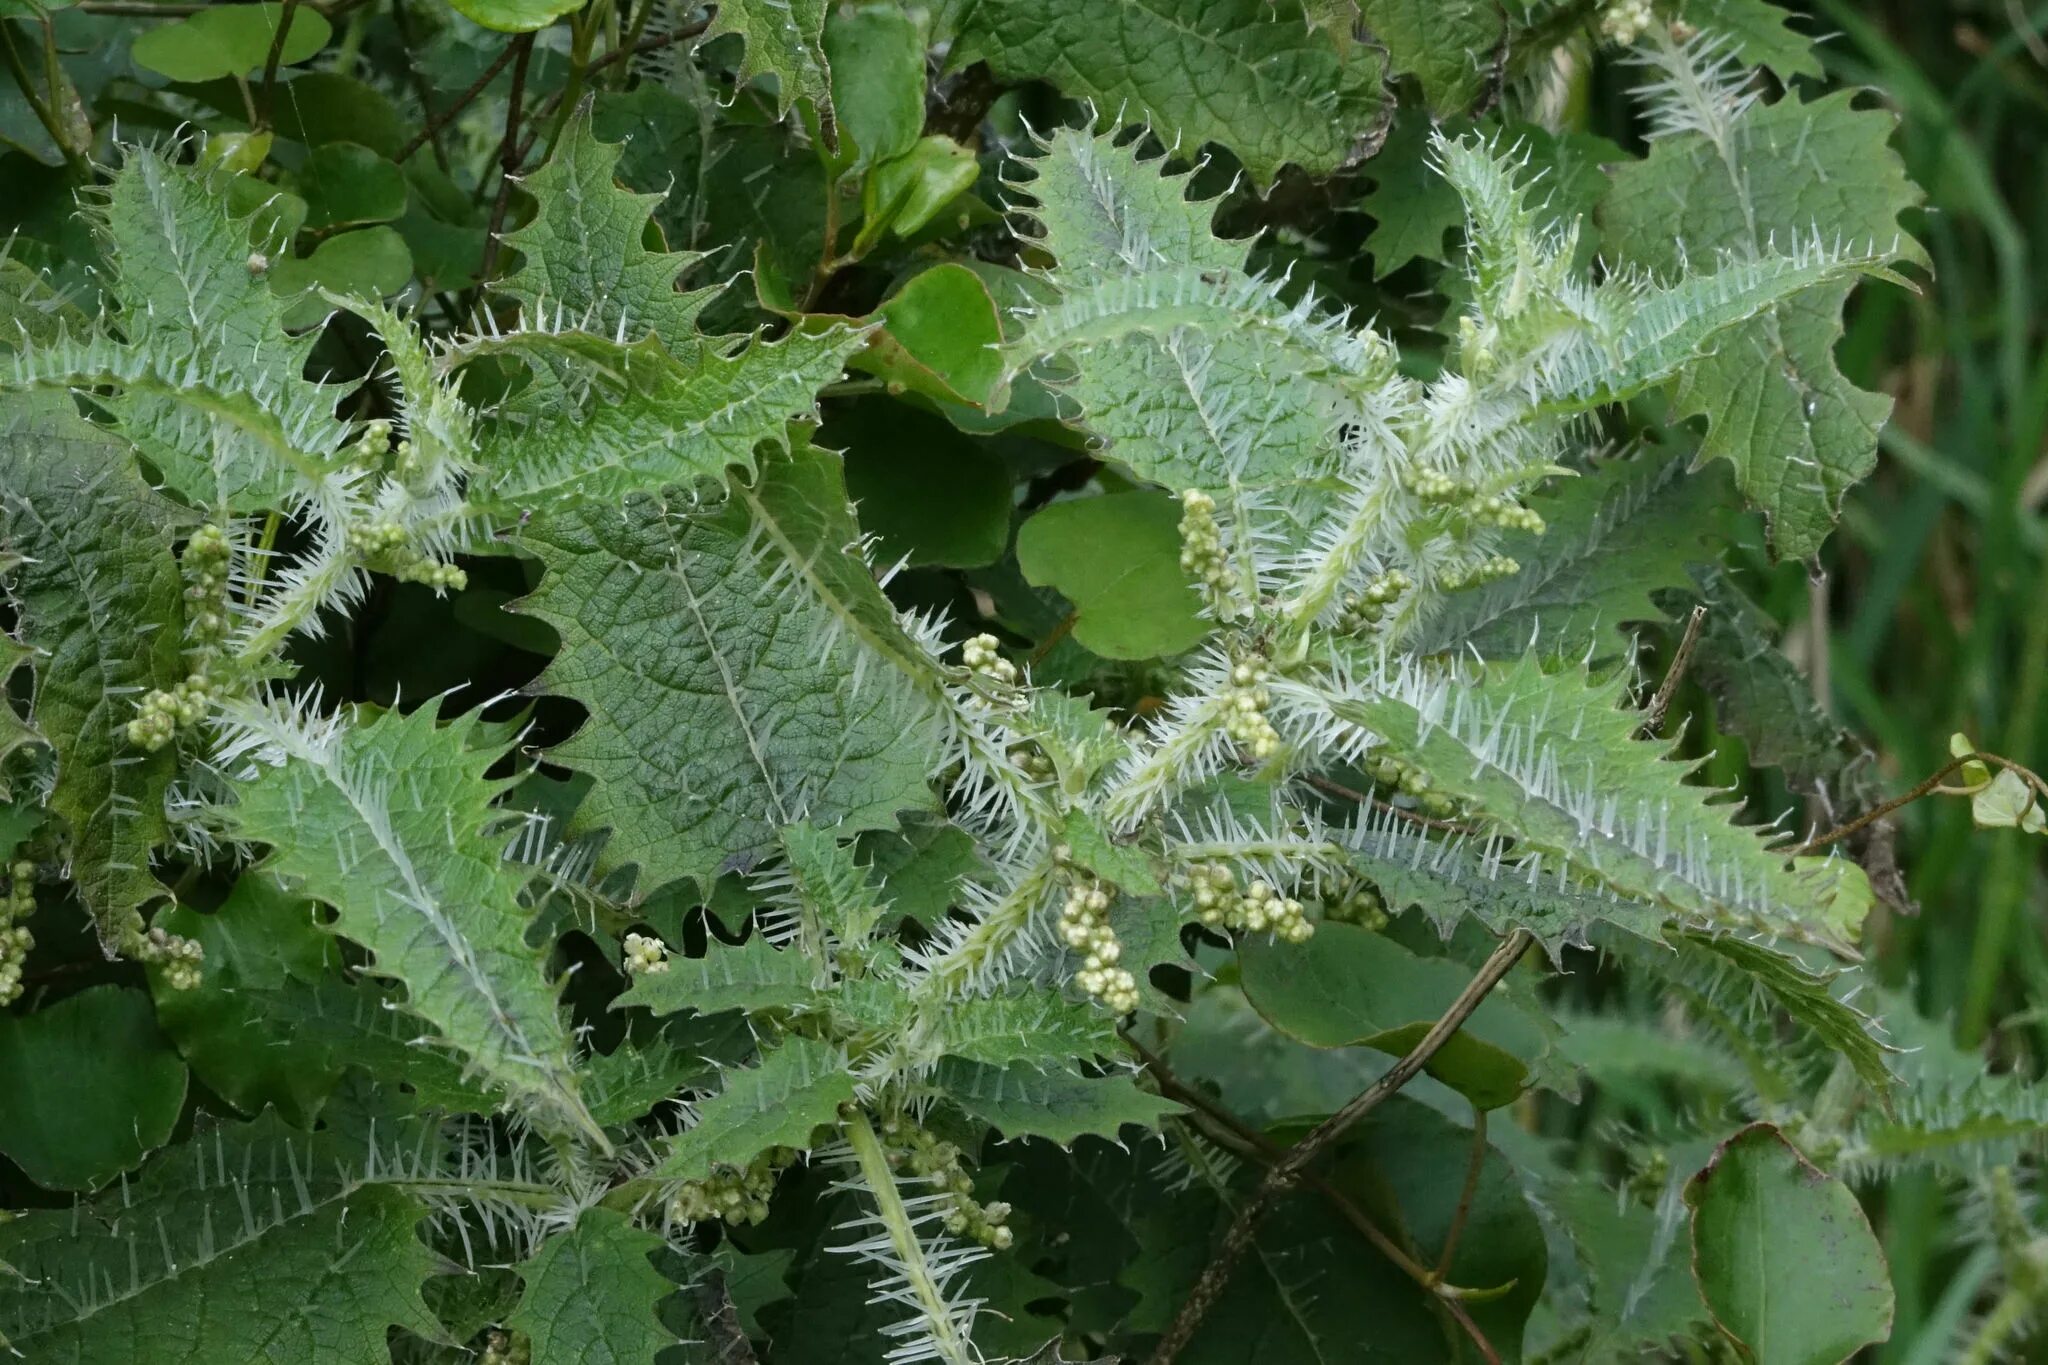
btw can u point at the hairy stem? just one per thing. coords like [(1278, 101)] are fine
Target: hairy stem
[(951, 1346)]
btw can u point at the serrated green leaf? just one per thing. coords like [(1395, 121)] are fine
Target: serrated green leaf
[(590, 1295), (1250, 75), (96, 1087), (227, 414), (585, 254), (783, 39), (797, 1087), (1025, 1027), (389, 820), (1123, 866), (1105, 207), (834, 894), (1452, 877), (1117, 559), (921, 867), (101, 603), (1798, 432), (1021, 1101), (754, 976), (1349, 986), (1612, 540), (196, 1261), (638, 421), (1450, 46), (1761, 32), (717, 715), (1784, 1256), (1194, 373), (1810, 997), (1554, 759)]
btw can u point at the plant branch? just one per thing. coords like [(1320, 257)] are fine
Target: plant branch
[(1463, 1213), (508, 153), (431, 133), (1233, 1131), (1653, 717), (434, 125), (275, 56), (1927, 786), (1344, 793), (1287, 1171)]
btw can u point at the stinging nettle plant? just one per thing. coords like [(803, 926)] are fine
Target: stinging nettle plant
[(739, 922)]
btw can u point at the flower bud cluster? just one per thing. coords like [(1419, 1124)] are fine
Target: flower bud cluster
[(370, 448), (1244, 714), (1034, 763), (386, 547), (1624, 21), (646, 955), (983, 655), (1477, 506), (1651, 1175), (177, 955), (1359, 903), (917, 1151), (206, 560), (1476, 575), (739, 1197), (507, 1348), (162, 714), (1084, 927), (1402, 778), (1259, 909), (1363, 610), (15, 940), (1433, 485), (1495, 510), (1201, 554)]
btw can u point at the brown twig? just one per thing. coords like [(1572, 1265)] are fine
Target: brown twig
[(462, 101), (1344, 793), (1287, 1171), (1463, 1213), (1920, 789), (1053, 637), (270, 63), (553, 102), (721, 1319), (1236, 1132), (508, 153), (421, 90), (1653, 716)]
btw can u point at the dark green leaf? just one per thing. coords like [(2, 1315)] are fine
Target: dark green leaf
[(92, 1086), (1784, 1255), (1117, 559), (1349, 986), (229, 40)]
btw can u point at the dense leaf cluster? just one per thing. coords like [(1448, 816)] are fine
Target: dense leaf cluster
[(800, 683)]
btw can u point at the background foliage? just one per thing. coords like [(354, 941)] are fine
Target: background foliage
[(512, 994)]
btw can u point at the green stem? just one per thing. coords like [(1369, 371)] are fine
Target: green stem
[(952, 1346), (45, 115)]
